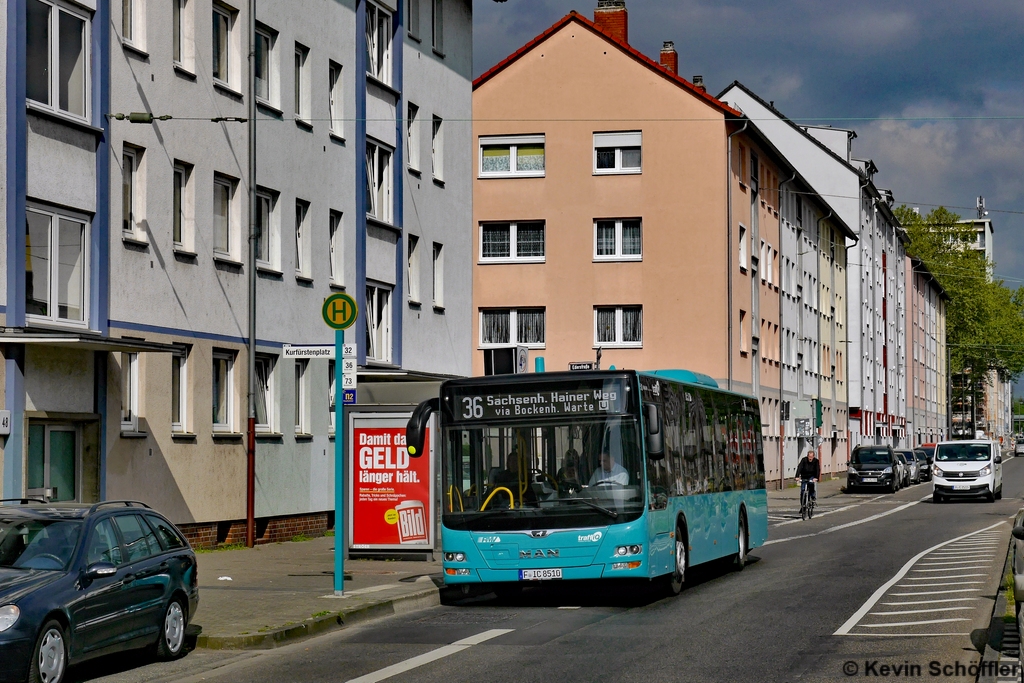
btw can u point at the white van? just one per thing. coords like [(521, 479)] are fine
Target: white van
[(967, 469)]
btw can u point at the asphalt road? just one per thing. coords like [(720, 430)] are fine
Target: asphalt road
[(891, 580)]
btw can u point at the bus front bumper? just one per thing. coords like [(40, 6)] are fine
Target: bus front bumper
[(463, 575)]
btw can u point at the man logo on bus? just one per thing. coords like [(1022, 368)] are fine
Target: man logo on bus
[(590, 538), (536, 554)]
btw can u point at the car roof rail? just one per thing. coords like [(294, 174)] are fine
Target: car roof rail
[(125, 503), (24, 501)]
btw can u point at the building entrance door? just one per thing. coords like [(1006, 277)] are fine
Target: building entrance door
[(53, 462)]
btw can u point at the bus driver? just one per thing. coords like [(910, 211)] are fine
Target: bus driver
[(609, 472)]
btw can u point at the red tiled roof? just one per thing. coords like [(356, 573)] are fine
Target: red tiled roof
[(636, 54)]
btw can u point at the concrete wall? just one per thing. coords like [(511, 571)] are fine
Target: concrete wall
[(577, 83)]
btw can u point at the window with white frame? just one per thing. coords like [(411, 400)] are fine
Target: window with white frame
[(413, 13), (263, 396), (378, 182), (266, 81), (437, 148), (223, 216), (521, 241), (336, 253), (414, 269), (263, 230), (182, 206), (437, 25), (618, 239), (438, 278), (301, 403), (617, 152), (512, 156), (618, 326), (512, 327), (301, 77), (378, 43), (222, 39), (56, 266), (57, 57), (336, 99), (179, 391), (413, 134), (378, 323), (133, 23), (130, 190), (129, 392), (179, 32), (301, 239), (331, 393), (223, 391), (743, 247)]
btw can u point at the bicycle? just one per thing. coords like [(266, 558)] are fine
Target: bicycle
[(807, 501)]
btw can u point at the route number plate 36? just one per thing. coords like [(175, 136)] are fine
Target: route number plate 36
[(539, 574)]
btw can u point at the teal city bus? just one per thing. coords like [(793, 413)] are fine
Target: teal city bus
[(594, 475)]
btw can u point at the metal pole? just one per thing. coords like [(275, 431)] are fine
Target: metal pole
[(250, 465), (949, 395), (340, 429)]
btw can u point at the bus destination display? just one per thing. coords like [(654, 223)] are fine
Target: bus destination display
[(550, 401)]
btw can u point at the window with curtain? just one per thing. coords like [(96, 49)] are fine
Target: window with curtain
[(617, 239), (512, 326), (264, 394), (517, 241), (618, 326), (617, 152), (508, 156)]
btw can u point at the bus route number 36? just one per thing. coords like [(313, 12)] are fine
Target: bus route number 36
[(473, 408)]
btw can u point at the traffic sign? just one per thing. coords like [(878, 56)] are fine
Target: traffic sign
[(349, 351), (348, 397), (585, 365), (348, 366), (522, 359), (348, 381), (340, 311)]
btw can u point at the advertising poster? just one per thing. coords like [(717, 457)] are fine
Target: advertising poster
[(390, 502)]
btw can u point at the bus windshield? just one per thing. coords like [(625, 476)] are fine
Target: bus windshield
[(543, 475)]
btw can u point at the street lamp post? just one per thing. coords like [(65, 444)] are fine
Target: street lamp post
[(250, 463)]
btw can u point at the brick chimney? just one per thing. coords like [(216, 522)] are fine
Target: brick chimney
[(669, 57), (610, 16), (698, 83)]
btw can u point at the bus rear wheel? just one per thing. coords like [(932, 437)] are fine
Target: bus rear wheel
[(742, 543), (681, 561)]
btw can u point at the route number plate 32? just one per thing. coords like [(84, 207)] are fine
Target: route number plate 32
[(539, 574)]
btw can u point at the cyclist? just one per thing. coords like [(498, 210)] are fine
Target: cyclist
[(808, 472)]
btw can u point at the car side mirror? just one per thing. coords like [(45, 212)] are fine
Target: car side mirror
[(999, 459), (1018, 533), (100, 570), (652, 424)]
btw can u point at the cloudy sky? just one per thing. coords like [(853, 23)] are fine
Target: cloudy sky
[(933, 89)]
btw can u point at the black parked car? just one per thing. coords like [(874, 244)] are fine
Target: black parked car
[(924, 462), (873, 466), (80, 581)]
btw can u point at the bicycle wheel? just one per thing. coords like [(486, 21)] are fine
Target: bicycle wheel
[(803, 505)]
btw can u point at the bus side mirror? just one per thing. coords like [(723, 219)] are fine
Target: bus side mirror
[(652, 423), (416, 429)]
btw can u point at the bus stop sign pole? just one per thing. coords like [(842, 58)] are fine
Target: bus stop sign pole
[(340, 312)]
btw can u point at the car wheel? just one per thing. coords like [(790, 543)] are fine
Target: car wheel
[(936, 498), (171, 644), (50, 657), (999, 492), (681, 562), (892, 487), (743, 542)]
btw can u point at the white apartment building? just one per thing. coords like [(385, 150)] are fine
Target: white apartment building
[(129, 360), (876, 353)]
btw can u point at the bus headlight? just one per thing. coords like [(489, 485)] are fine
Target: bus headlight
[(624, 550), (455, 557)]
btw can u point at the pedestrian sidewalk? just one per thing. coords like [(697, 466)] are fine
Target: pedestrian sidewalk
[(826, 489), (263, 596)]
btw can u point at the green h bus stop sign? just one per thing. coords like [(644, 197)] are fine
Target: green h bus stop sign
[(340, 312)]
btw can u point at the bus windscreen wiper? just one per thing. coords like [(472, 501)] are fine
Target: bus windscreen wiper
[(611, 513)]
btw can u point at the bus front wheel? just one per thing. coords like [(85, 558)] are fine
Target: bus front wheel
[(681, 562)]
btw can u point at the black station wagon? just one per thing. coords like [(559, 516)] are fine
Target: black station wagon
[(79, 581)]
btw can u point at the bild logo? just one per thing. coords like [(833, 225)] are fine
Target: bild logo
[(590, 538)]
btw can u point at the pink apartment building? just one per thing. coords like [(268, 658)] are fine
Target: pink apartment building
[(601, 202)]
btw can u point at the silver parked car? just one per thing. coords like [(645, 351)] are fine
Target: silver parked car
[(913, 471)]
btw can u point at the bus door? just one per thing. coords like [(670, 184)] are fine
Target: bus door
[(660, 515)]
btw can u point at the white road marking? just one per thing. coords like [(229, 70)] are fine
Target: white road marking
[(816, 514), (568, 608), (944, 583), (859, 614), (432, 656), (927, 602), (962, 590), (955, 570), (936, 564), (915, 623), (922, 611), (847, 525), (935, 578)]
